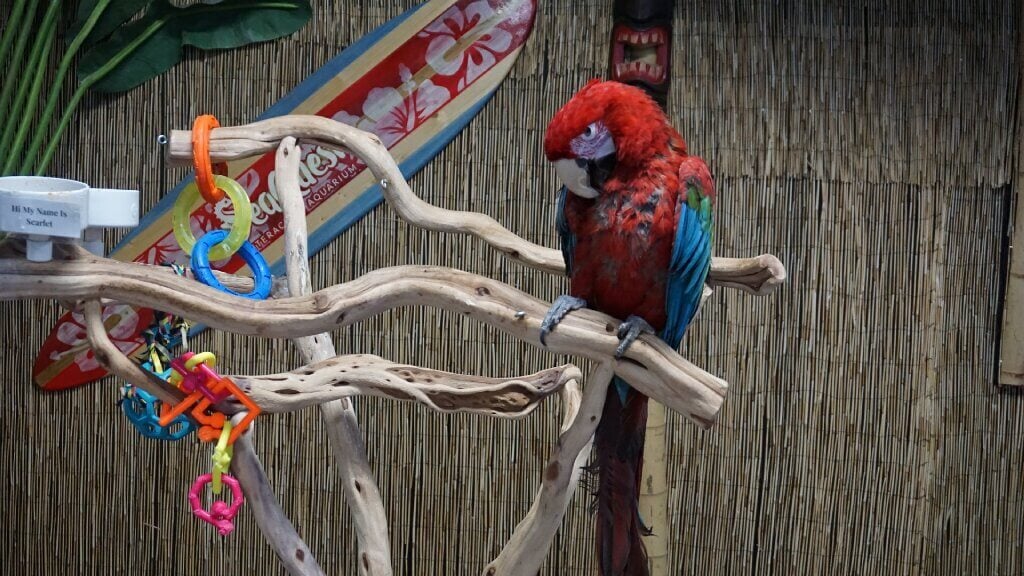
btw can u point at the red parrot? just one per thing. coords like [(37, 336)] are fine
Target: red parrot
[(634, 219)]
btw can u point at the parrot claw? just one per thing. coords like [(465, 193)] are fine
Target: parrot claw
[(562, 306), (629, 331)]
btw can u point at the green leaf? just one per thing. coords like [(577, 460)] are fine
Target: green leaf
[(242, 22), (117, 13), (147, 47), (151, 45)]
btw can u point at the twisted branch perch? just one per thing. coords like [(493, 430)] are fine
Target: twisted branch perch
[(275, 526), (525, 551), (339, 416), (650, 365), (368, 375), (759, 275), (351, 375)]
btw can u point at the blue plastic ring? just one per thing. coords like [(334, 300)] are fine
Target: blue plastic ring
[(143, 410), (252, 258)]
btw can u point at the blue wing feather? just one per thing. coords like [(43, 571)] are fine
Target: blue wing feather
[(688, 269), (568, 239)]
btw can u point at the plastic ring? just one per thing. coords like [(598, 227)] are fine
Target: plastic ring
[(204, 167), (240, 227), (253, 259)]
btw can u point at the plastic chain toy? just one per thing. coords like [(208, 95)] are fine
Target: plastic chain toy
[(205, 169), (193, 373), (221, 515), (240, 226), (222, 455), (216, 244), (143, 411), (252, 257)]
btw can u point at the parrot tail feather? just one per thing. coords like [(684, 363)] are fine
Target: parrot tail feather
[(619, 442)]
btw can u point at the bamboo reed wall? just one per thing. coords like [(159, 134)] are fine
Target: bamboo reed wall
[(869, 145)]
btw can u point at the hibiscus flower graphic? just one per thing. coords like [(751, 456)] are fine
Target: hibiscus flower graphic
[(250, 181), (478, 57), (166, 250), (205, 218), (391, 113), (123, 334)]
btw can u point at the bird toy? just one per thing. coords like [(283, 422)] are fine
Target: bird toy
[(143, 411), (193, 374), (221, 515)]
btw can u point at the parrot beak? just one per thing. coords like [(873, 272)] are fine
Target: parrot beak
[(573, 173)]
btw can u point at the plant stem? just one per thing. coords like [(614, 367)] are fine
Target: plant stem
[(62, 71), (28, 98), (88, 81), (19, 49), (13, 23), (152, 29), (43, 34)]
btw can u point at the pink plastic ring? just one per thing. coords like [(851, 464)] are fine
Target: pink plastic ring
[(221, 515)]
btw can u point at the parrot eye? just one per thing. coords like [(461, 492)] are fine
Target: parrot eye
[(594, 142)]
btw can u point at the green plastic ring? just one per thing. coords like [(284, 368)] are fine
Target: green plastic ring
[(240, 227)]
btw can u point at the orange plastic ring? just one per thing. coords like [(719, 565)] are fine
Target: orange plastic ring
[(201, 159)]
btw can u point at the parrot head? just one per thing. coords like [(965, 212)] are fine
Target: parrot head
[(606, 126)]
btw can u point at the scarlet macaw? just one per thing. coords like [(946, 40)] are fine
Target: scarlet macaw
[(634, 218)]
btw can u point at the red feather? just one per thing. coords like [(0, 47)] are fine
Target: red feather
[(619, 443)]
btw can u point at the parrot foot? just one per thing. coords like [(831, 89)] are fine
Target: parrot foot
[(629, 331), (562, 306)]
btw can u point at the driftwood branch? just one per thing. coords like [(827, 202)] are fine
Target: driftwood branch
[(759, 275), (368, 375), (339, 416), (650, 365), (275, 526), (525, 551)]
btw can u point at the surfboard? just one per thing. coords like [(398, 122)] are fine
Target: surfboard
[(415, 82)]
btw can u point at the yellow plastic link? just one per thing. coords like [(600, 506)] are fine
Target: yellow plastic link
[(240, 227), (222, 456), (207, 358), (201, 358)]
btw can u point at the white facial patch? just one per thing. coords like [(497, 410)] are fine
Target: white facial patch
[(595, 142)]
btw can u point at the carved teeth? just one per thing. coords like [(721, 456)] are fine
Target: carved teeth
[(642, 38), (639, 68)]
